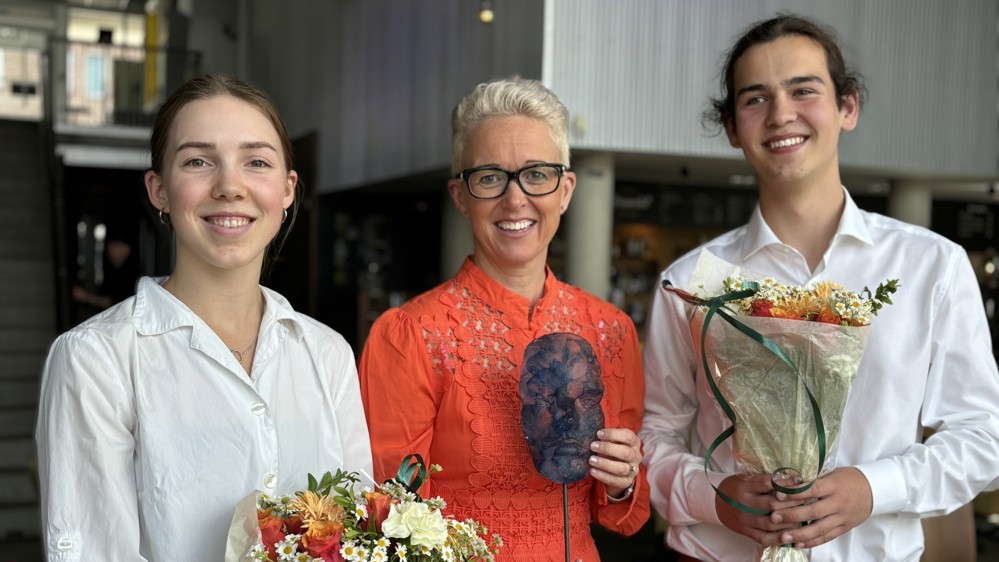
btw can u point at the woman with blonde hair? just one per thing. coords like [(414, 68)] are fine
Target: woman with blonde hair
[(441, 375)]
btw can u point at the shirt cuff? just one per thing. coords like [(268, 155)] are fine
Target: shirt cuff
[(889, 493), (701, 487)]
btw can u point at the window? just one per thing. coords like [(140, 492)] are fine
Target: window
[(95, 76)]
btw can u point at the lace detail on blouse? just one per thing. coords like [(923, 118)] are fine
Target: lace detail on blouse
[(559, 315), (610, 341), (531, 527), (562, 316)]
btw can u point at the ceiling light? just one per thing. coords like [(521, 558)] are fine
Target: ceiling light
[(485, 12)]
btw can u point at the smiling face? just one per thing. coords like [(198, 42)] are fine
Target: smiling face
[(224, 182), (511, 232), (787, 118)]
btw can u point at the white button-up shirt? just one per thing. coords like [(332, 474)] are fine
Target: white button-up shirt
[(149, 431), (928, 363)]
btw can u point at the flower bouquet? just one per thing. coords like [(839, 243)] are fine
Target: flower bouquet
[(333, 522), (823, 331), (780, 361)]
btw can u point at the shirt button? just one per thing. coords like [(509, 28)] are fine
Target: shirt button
[(64, 544), (258, 408), (270, 480)]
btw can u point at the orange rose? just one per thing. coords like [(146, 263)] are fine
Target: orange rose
[(322, 541), (761, 307), (294, 525), (271, 531), (378, 509)]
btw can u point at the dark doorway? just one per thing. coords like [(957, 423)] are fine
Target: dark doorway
[(380, 246), (110, 238)]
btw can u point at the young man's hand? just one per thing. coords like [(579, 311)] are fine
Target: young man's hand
[(755, 491), (836, 503)]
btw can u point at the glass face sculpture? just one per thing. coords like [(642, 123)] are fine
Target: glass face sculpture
[(561, 388)]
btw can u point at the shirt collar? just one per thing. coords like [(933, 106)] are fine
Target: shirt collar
[(758, 234), (157, 311)]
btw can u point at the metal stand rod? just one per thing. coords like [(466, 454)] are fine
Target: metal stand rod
[(565, 517)]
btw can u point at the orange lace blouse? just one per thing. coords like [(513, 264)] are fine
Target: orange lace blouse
[(440, 377)]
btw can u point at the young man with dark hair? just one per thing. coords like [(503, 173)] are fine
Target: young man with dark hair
[(787, 96)]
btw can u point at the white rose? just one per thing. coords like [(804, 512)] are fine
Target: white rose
[(423, 526)]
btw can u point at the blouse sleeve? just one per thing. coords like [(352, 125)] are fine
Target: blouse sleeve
[(349, 409), (626, 517), (399, 390), (86, 416), (680, 489)]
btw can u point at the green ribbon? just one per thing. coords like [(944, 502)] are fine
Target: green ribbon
[(412, 473), (716, 305)]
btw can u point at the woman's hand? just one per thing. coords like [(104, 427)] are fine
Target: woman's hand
[(616, 459)]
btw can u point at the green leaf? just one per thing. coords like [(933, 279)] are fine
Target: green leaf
[(326, 483), (880, 297)]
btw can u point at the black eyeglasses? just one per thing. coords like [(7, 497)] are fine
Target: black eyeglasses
[(490, 182)]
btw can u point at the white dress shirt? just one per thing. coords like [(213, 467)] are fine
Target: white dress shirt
[(149, 431), (928, 363)]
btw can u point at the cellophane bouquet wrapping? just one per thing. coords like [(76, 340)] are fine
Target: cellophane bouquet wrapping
[(775, 425), (332, 521), (822, 329)]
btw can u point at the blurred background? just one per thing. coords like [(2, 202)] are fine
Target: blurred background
[(366, 88)]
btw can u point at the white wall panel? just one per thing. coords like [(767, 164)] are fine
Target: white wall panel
[(636, 75)]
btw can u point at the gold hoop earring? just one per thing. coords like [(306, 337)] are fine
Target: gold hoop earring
[(164, 217)]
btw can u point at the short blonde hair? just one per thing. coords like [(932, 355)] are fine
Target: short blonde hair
[(505, 98)]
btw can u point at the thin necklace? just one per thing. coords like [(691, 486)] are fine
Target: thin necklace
[(239, 354)]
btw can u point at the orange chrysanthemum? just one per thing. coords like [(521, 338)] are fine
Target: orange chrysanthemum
[(825, 289), (803, 307), (316, 510)]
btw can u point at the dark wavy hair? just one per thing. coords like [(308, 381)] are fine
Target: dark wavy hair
[(845, 81)]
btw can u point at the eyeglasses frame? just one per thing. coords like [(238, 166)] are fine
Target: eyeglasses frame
[(512, 175)]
